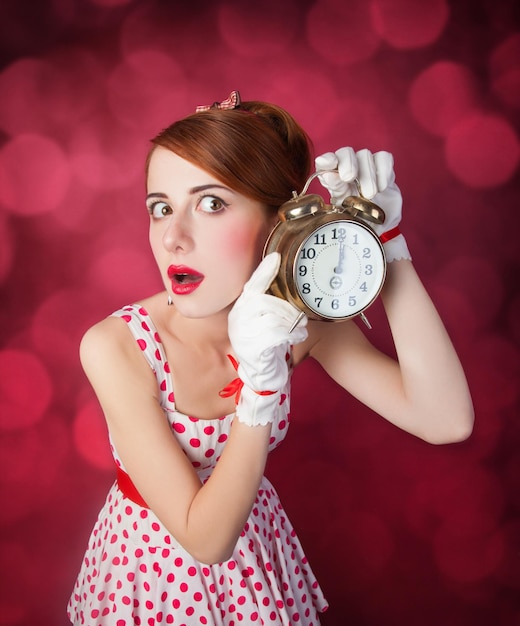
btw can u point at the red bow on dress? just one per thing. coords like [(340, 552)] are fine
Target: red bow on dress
[(235, 386)]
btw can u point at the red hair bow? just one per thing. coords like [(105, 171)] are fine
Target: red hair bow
[(232, 102)]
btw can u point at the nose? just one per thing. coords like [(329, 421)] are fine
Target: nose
[(177, 236)]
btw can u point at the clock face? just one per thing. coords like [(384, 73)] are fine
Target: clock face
[(339, 269)]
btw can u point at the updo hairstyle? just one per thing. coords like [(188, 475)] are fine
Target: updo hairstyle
[(258, 149)]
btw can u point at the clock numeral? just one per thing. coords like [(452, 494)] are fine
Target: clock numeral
[(308, 253), (369, 270), (319, 239), (367, 253), (302, 270), (317, 302), (335, 304), (338, 233), (363, 287), (355, 239), (306, 288), (352, 301)]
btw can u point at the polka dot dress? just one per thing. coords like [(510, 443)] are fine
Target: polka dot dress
[(134, 571)]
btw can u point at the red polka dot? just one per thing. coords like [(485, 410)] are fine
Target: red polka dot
[(194, 442)]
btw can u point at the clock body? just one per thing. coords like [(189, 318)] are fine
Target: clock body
[(333, 264)]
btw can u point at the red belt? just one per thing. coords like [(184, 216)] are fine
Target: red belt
[(128, 489)]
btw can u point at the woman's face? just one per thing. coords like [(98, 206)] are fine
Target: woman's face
[(206, 238)]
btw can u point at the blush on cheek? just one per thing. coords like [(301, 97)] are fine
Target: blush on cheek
[(241, 242)]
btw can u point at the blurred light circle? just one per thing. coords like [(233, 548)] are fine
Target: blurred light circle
[(147, 91), (58, 324), (19, 561), (124, 273), (468, 558), (46, 94), (341, 33), (442, 95), (110, 3), (75, 88), (505, 70), (508, 572), (7, 248), (33, 458), (105, 155), (408, 24), (26, 389), (513, 315), (478, 281), (495, 373), (91, 436), (482, 150), (285, 89), (258, 29), (25, 81), (37, 174)]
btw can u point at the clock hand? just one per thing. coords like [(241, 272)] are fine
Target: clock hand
[(339, 267)]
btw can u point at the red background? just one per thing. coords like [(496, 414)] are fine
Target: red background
[(399, 532)]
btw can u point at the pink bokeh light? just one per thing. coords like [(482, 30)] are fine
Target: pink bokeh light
[(483, 150), (342, 34), (407, 24), (36, 174), (26, 389), (442, 95), (90, 436), (505, 70), (397, 531), (250, 31)]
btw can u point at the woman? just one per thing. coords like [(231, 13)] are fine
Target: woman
[(182, 538)]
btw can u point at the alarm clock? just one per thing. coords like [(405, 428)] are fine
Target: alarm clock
[(333, 264)]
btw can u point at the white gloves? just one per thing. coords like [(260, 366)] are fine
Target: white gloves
[(376, 177), (258, 327)]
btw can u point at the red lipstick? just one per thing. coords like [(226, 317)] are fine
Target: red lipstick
[(184, 279)]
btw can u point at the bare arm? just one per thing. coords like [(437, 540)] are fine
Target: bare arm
[(425, 391), (206, 520)]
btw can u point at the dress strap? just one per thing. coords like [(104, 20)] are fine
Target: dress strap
[(145, 333)]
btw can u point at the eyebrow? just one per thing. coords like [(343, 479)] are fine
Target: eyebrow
[(193, 190)]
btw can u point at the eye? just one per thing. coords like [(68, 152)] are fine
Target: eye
[(211, 204), (159, 209)]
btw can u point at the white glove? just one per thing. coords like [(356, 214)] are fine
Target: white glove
[(376, 177), (258, 326)]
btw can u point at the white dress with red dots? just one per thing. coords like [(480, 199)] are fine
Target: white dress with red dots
[(135, 572)]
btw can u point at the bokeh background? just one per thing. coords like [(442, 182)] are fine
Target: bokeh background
[(398, 531)]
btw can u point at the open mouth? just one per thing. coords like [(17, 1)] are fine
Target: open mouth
[(184, 279)]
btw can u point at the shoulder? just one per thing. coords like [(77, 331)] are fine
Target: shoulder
[(108, 351), (104, 337)]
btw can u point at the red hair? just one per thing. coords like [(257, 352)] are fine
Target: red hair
[(257, 149)]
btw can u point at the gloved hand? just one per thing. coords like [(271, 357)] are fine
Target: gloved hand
[(376, 177), (258, 326)]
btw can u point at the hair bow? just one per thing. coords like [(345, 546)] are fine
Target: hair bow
[(233, 102)]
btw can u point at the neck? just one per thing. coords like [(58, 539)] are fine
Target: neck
[(202, 333)]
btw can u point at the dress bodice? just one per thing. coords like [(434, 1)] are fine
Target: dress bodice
[(202, 440)]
